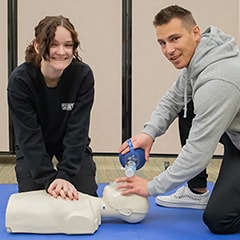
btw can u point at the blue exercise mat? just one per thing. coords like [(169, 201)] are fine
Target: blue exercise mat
[(160, 223)]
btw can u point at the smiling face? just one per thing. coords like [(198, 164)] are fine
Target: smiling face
[(178, 42), (60, 53)]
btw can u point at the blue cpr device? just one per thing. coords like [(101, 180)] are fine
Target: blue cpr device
[(132, 160)]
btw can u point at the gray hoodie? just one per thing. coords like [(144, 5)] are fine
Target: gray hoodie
[(212, 81)]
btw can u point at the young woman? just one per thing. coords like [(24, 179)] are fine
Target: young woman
[(50, 97)]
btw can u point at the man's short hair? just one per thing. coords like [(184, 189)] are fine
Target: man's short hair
[(174, 11)]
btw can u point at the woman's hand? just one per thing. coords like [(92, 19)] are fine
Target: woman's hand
[(63, 188)]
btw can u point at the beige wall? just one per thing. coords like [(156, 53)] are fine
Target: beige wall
[(99, 25), (152, 73), (4, 136), (100, 36)]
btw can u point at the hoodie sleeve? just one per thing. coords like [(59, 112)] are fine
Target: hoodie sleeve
[(216, 104), (28, 132), (168, 108)]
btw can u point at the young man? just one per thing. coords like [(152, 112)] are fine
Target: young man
[(208, 92)]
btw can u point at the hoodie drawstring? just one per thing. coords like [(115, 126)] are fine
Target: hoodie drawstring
[(185, 98)]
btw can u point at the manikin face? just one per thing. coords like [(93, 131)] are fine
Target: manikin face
[(178, 44), (60, 53)]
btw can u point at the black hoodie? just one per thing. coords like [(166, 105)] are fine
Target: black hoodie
[(51, 121)]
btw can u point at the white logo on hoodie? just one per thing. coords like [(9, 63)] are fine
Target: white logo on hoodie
[(67, 106)]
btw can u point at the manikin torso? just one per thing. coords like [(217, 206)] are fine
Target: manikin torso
[(38, 212)]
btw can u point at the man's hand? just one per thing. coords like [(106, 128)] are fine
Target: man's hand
[(63, 188), (141, 140), (132, 185)]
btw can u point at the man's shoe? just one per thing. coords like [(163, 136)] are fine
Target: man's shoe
[(184, 198)]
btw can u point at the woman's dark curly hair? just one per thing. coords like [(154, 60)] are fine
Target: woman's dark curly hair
[(44, 34)]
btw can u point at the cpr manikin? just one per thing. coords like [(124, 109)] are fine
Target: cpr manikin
[(38, 212)]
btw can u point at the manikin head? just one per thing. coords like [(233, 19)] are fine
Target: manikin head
[(131, 208)]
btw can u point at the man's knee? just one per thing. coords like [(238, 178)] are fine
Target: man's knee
[(211, 222), (220, 224)]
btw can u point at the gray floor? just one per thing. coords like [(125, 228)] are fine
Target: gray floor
[(109, 168)]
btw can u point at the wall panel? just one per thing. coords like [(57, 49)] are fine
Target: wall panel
[(4, 139), (152, 73), (100, 36)]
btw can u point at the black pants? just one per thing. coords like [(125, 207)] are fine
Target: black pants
[(200, 181), (222, 214), (84, 181)]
